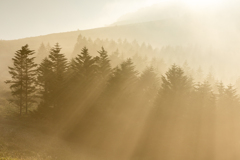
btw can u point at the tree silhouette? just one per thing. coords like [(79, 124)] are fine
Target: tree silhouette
[(124, 78), (44, 82), (203, 120), (85, 65), (58, 64), (149, 83), (169, 119), (42, 53), (23, 79), (175, 86), (103, 63)]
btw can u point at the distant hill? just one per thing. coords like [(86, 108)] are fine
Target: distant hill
[(150, 32), (216, 34), (67, 41)]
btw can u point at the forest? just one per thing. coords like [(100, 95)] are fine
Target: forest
[(114, 107), (120, 80)]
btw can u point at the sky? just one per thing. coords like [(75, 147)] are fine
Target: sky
[(27, 18)]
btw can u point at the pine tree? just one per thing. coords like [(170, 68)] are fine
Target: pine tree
[(29, 79), (23, 79), (42, 53), (103, 63), (174, 95), (149, 83), (84, 65), (205, 94), (115, 58), (48, 48), (221, 94), (227, 117), (123, 80), (227, 96), (44, 82), (175, 85), (81, 79), (231, 96), (169, 118), (203, 120), (59, 67)]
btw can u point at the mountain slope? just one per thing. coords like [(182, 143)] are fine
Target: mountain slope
[(216, 31)]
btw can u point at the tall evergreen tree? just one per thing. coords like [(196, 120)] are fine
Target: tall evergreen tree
[(81, 79), (169, 119), (231, 96), (175, 85), (23, 78), (227, 122), (84, 65), (149, 83), (44, 81), (124, 77), (205, 94), (227, 96), (103, 62), (58, 64), (203, 121), (115, 58), (42, 53)]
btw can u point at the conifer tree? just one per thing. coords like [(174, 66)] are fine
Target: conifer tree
[(44, 82), (42, 52), (48, 47), (115, 58), (29, 79), (149, 83), (203, 119), (84, 65), (59, 67), (227, 96), (205, 94), (231, 96), (124, 78), (81, 78), (169, 118), (174, 95), (103, 63), (221, 94), (175, 86), (23, 79), (227, 121)]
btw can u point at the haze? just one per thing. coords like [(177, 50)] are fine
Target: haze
[(26, 18), (120, 80)]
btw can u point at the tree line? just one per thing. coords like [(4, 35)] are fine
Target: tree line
[(88, 97)]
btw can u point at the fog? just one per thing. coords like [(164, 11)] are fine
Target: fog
[(160, 81), (213, 28)]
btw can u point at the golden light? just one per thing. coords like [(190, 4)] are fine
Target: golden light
[(191, 3)]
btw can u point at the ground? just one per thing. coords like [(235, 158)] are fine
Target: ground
[(30, 139)]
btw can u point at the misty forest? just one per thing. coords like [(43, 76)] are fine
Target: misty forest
[(151, 86)]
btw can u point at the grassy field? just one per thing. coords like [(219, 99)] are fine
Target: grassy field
[(29, 139)]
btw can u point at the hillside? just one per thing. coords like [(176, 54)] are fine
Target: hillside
[(210, 36), (68, 40), (160, 83)]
